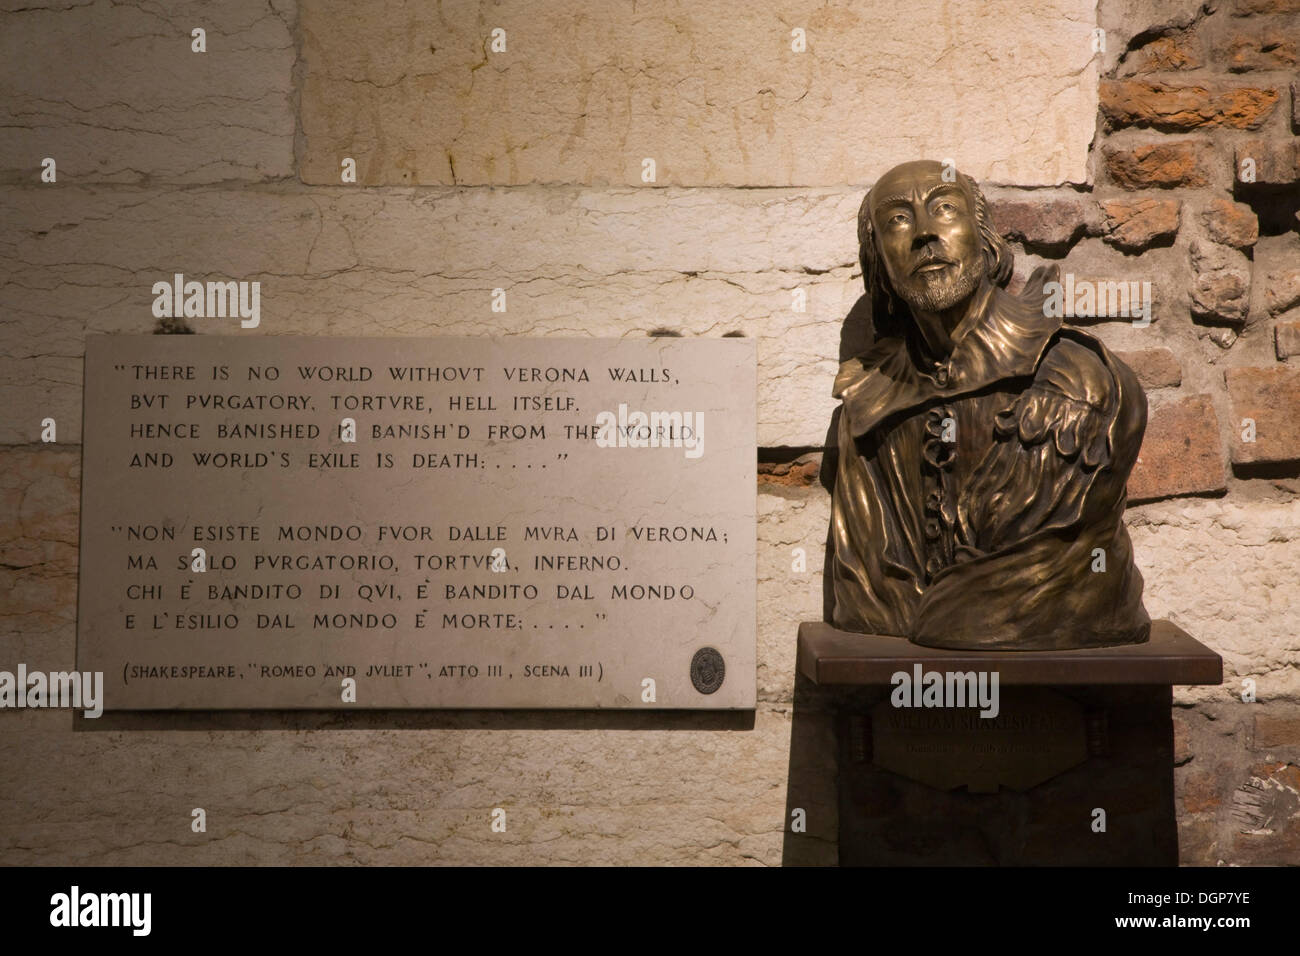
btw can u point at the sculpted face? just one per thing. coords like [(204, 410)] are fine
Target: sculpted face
[(927, 236)]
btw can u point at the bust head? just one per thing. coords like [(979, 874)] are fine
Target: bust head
[(926, 240)]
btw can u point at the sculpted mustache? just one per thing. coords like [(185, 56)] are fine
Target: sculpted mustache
[(929, 260)]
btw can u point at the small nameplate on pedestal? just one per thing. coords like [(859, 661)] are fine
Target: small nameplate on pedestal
[(1035, 735)]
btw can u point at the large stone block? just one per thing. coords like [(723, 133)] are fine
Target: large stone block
[(114, 93), (1222, 571), (39, 491), (575, 791), (425, 262), (714, 94), (792, 528)]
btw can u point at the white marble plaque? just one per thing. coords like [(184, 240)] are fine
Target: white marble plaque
[(518, 522)]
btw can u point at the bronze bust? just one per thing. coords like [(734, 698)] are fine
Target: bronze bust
[(978, 500)]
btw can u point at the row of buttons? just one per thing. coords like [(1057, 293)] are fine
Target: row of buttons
[(938, 454)]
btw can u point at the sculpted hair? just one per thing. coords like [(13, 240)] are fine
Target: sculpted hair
[(888, 311)]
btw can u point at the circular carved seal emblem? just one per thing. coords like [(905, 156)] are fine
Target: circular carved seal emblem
[(707, 670)]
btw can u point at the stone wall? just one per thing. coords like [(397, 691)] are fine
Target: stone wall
[(524, 168)]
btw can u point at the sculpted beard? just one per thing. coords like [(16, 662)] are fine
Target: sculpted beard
[(935, 291)]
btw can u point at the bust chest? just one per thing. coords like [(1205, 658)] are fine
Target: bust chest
[(930, 454)]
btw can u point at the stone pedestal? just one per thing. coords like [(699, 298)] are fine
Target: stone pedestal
[(1071, 740)]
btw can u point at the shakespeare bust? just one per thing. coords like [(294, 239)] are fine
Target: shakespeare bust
[(978, 500)]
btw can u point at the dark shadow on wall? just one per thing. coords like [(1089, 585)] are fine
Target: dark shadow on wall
[(830, 463), (857, 335), (812, 786)]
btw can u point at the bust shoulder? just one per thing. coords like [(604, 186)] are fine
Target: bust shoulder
[(1078, 367)]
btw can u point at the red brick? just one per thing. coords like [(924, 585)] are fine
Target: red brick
[(1133, 224), (1231, 223), (1155, 368), (1045, 222), (800, 473), (1271, 398), (1181, 453), (1160, 165), (1182, 108)]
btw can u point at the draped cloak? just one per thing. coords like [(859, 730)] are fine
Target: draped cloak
[(979, 502)]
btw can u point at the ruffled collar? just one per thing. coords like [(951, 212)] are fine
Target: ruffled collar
[(1003, 336)]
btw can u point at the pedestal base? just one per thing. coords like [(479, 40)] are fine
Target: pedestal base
[(1073, 766)]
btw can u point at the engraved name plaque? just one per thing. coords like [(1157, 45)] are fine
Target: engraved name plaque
[(1037, 735), (289, 522)]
